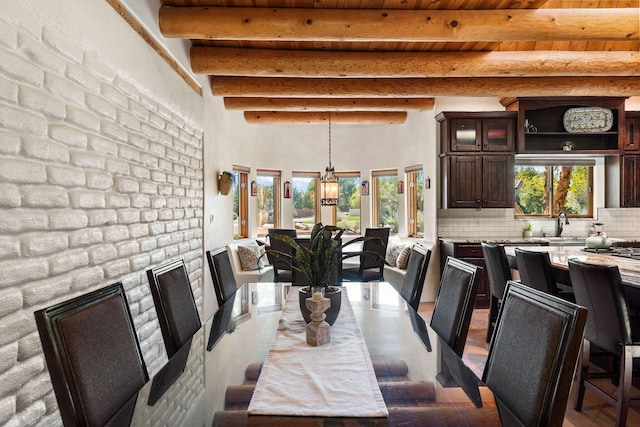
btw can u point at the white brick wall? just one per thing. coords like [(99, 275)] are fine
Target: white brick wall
[(98, 182)]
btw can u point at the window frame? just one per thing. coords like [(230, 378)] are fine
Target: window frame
[(240, 185), (312, 175), (413, 183), (334, 210), (375, 192), (550, 164), (277, 194)]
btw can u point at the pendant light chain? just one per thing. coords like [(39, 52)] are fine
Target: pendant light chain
[(329, 140)]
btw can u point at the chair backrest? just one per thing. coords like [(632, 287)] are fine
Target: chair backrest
[(533, 355), (377, 245), (224, 282), (535, 270), (281, 246), (498, 270), (454, 303), (176, 308), (415, 275), (93, 356), (599, 289)]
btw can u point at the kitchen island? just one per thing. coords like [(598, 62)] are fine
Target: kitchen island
[(623, 257)]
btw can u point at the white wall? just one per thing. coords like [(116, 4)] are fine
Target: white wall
[(101, 178)]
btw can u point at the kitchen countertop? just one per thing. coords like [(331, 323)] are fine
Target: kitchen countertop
[(504, 241), (559, 256)]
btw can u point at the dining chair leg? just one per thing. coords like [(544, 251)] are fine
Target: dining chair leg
[(581, 375), (624, 389)]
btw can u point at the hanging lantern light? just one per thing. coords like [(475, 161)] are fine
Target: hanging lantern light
[(329, 189)]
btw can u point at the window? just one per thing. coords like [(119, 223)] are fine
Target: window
[(240, 202), (546, 188), (385, 199), (415, 201), (268, 201), (347, 213), (306, 201)]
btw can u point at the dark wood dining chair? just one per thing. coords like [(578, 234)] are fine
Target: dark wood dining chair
[(415, 275), (533, 355), (175, 305), (536, 271), (224, 281), (609, 329), (282, 271), (93, 356), (454, 303), (499, 272), (371, 266)]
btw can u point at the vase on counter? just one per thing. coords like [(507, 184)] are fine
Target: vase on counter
[(527, 234)]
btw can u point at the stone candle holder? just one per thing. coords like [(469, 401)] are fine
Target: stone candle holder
[(318, 331)]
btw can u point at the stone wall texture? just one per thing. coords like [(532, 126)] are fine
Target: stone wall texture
[(98, 183)]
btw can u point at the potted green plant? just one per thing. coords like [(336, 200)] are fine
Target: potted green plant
[(315, 262), (568, 145), (528, 230), (225, 182)]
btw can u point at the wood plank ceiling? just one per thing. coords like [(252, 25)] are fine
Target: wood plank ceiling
[(368, 61)]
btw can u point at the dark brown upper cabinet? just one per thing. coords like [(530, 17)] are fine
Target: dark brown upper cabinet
[(544, 129), (477, 131)]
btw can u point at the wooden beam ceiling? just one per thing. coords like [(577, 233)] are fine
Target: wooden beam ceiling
[(327, 104), (298, 60), (483, 87), (340, 117), (224, 61), (353, 25)]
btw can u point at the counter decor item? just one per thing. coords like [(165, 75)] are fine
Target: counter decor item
[(225, 183), (587, 119), (528, 231), (599, 240), (316, 261), (318, 331), (567, 145)]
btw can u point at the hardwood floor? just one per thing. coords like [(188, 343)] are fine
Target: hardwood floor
[(595, 411)]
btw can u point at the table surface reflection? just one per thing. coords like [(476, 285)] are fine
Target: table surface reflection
[(225, 356)]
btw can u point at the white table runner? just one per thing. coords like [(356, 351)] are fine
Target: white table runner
[(333, 380)]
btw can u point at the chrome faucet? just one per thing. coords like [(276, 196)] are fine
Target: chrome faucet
[(559, 224)]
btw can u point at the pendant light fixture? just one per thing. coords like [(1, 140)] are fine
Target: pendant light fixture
[(329, 183)]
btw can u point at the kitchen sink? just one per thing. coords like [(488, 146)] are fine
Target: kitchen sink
[(566, 241)]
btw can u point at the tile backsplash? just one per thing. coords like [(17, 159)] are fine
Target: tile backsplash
[(501, 224)]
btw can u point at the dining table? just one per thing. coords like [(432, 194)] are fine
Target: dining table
[(250, 365)]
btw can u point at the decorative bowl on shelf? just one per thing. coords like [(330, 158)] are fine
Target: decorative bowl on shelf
[(587, 119)]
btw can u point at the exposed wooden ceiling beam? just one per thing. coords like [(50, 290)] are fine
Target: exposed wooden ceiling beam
[(501, 87), (351, 25), (224, 61), (340, 117), (327, 104)]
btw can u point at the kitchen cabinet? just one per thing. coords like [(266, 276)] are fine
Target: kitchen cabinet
[(478, 181), (632, 132), (472, 253), (477, 131), (542, 127), (477, 159), (630, 181)]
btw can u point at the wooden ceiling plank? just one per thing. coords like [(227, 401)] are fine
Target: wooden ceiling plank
[(298, 24), (327, 104), (288, 63), (340, 117), (361, 88)]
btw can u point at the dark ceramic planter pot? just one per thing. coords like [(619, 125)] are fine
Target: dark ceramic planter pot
[(333, 293)]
